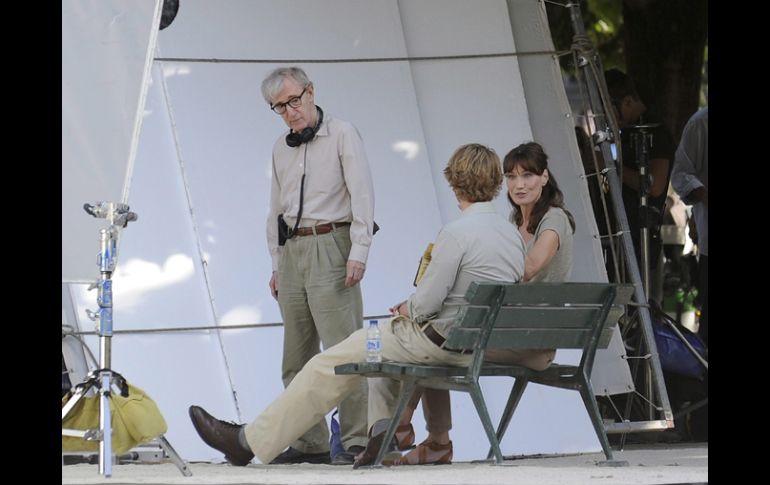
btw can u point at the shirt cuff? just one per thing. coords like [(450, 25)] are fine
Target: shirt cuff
[(689, 198), (358, 253)]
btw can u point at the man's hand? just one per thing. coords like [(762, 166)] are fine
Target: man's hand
[(274, 285), (355, 272), (399, 309), (700, 195), (692, 230)]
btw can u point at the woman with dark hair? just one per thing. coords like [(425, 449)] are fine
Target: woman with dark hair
[(539, 213), (547, 228)]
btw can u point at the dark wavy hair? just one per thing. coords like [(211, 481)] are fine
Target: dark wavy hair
[(531, 157)]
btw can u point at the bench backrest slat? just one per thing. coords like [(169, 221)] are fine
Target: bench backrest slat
[(463, 338), (538, 315)]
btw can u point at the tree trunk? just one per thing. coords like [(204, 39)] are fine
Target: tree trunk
[(664, 46)]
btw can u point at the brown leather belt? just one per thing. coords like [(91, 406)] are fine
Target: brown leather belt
[(319, 229), (437, 339)]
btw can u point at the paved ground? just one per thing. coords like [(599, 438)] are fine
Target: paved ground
[(648, 464)]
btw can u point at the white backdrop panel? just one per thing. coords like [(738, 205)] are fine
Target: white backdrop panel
[(158, 281), (469, 100), (456, 27), (255, 369), (411, 115), (458, 106), (288, 29), (106, 56), (547, 420)]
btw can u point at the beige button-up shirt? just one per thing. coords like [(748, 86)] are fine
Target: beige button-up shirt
[(479, 246), (338, 186)]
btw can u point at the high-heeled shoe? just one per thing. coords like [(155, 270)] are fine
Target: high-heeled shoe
[(426, 453)]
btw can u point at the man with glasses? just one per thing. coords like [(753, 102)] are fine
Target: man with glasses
[(322, 193)]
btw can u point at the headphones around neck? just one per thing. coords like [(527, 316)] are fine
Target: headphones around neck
[(294, 139)]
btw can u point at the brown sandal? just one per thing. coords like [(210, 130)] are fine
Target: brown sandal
[(405, 436), (367, 456), (427, 453)]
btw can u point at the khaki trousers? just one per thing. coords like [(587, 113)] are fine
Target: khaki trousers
[(317, 308), (316, 388)]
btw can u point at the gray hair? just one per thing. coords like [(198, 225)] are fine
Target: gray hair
[(274, 81)]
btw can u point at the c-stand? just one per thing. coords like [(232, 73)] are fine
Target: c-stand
[(649, 216), (642, 140), (103, 378)]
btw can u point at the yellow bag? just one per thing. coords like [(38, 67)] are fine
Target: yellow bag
[(135, 419)]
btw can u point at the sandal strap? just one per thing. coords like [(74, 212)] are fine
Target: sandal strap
[(405, 436), (420, 455)]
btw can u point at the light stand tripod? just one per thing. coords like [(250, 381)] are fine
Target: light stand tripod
[(104, 377), (642, 140)]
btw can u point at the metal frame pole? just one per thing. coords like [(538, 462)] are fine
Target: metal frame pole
[(590, 64), (107, 256)]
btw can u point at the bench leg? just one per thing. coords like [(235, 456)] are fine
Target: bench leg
[(587, 393), (407, 388), (481, 410), (513, 401)]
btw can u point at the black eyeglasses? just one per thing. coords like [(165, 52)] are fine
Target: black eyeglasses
[(295, 102)]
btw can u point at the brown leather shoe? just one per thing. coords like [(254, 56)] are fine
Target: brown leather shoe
[(405, 436), (221, 435), (427, 453)]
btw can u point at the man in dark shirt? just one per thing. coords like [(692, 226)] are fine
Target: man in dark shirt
[(629, 109)]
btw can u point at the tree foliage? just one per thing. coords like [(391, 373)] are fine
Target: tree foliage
[(661, 44)]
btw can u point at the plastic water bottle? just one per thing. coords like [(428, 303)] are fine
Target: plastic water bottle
[(373, 342)]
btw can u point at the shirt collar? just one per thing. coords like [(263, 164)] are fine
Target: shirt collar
[(323, 130), (478, 208)]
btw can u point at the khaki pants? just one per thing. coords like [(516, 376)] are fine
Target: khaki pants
[(317, 308), (316, 389)]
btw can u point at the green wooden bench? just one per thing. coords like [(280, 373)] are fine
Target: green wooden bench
[(516, 316)]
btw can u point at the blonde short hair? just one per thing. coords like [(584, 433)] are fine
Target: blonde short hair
[(474, 172)]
